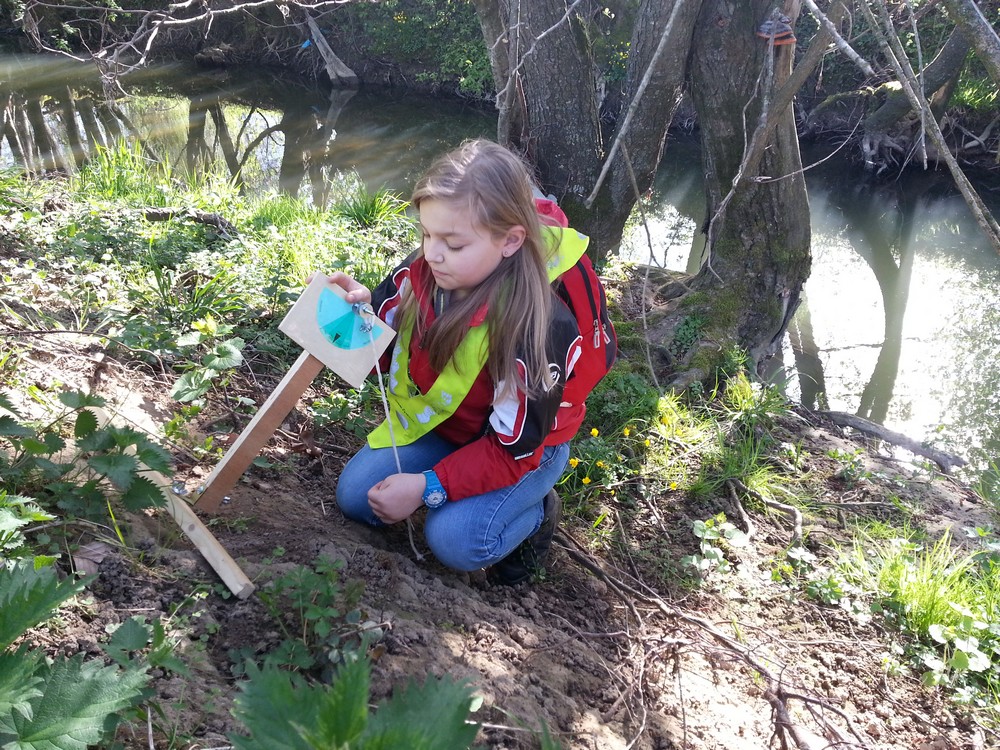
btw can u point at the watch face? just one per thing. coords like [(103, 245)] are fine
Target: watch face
[(435, 499)]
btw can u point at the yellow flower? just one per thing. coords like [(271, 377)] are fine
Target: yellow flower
[(646, 441), (574, 462), (594, 432), (586, 480), (600, 464), (626, 432), (673, 485)]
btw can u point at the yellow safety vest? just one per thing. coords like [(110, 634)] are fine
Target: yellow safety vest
[(414, 414)]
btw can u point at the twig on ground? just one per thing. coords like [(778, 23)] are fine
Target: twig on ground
[(789, 510), (751, 529), (774, 691)]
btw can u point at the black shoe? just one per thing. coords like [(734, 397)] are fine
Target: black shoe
[(529, 557)]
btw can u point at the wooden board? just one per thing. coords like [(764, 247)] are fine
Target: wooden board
[(324, 324), (332, 333), (256, 434)]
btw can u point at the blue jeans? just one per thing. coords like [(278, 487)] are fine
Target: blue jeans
[(465, 534)]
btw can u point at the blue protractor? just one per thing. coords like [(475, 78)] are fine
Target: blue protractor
[(340, 324)]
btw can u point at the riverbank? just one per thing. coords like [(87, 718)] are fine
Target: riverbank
[(729, 566)]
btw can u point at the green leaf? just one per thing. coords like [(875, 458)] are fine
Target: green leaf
[(142, 493), (86, 423), (161, 652), (155, 457), (119, 468), (272, 706), (131, 635), (125, 437), (99, 440), (79, 400), (431, 716), (959, 661), (28, 597), (33, 446), (79, 706), (192, 385), (937, 632), (206, 326), (18, 685), (10, 427), (8, 405), (53, 443), (191, 338), (225, 355)]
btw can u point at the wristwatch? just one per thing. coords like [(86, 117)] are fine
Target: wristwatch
[(434, 494)]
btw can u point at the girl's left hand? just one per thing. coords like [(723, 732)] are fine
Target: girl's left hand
[(397, 497)]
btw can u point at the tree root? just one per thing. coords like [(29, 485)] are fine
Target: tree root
[(946, 461), (774, 691), (789, 510)]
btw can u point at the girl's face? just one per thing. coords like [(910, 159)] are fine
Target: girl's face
[(460, 252)]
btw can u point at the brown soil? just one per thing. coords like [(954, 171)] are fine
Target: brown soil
[(611, 650)]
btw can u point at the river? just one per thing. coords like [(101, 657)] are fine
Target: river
[(899, 321)]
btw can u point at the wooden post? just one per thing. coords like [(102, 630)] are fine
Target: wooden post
[(209, 547), (247, 446)]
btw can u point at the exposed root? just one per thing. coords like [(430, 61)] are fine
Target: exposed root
[(635, 592)]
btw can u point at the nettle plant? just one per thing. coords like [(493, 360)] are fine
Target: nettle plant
[(72, 466), (67, 702), (221, 356)]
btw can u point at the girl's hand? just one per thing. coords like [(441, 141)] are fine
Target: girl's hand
[(397, 497), (356, 292)]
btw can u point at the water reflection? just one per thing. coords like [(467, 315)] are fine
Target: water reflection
[(269, 134)]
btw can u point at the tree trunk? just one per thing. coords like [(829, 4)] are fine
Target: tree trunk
[(945, 67), (539, 48), (759, 240), (968, 15)]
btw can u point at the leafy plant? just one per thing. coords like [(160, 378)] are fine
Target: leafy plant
[(66, 703), (319, 619), (16, 512), (686, 335), (221, 355), (283, 710), (123, 171), (371, 209), (852, 469), (105, 463), (716, 535)]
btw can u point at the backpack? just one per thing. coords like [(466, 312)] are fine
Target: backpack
[(582, 292)]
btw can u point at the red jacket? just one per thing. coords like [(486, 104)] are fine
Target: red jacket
[(498, 439)]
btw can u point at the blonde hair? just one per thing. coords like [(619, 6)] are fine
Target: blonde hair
[(495, 186)]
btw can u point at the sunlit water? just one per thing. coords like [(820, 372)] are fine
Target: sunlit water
[(930, 369)]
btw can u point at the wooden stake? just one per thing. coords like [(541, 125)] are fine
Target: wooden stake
[(209, 547), (247, 446)]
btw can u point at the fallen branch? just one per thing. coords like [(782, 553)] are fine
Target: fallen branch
[(946, 461), (194, 214)]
